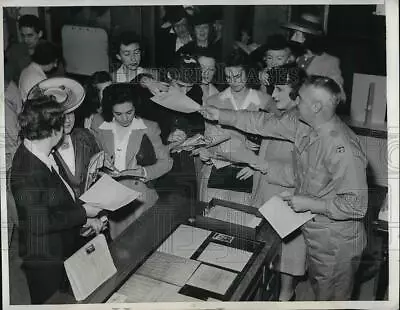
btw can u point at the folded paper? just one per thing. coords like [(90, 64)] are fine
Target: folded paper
[(177, 101)]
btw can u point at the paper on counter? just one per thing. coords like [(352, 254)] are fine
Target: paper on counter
[(89, 267), (177, 101), (234, 216), (109, 194), (212, 279), (224, 256), (168, 268), (282, 218), (139, 288), (184, 241)]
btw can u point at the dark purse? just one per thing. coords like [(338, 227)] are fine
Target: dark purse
[(225, 178), (146, 155)]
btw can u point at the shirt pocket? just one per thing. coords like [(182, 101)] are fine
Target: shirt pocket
[(317, 180)]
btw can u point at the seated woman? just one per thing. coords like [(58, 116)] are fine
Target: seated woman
[(238, 96), (134, 147), (286, 80), (50, 217)]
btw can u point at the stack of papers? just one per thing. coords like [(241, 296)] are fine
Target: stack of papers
[(234, 216), (282, 218), (177, 101), (184, 241), (168, 268), (109, 194)]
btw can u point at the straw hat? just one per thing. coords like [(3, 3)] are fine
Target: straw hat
[(65, 91), (308, 23)]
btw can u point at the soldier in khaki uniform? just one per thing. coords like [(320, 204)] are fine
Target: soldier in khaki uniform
[(329, 169)]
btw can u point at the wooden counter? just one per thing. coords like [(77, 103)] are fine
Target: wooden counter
[(132, 247)]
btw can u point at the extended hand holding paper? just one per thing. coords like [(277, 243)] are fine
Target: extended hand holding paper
[(173, 99), (281, 216)]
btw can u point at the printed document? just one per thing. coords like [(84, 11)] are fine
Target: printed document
[(168, 268), (139, 288), (212, 279), (184, 241), (282, 218), (90, 267), (224, 256), (109, 194)]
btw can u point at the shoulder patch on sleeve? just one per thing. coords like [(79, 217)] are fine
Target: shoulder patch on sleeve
[(340, 149)]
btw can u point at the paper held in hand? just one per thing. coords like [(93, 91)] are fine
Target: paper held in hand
[(89, 267), (282, 218), (177, 101), (109, 194)]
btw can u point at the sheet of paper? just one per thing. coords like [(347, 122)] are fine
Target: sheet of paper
[(224, 256), (282, 218), (168, 268), (212, 279), (184, 241), (177, 101), (234, 216), (139, 288), (109, 194), (90, 267), (220, 163)]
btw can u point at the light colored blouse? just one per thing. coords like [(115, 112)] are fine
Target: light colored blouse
[(68, 154), (121, 139)]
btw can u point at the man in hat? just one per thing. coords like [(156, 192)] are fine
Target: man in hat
[(329, 173), (309, 35), (44, 62)]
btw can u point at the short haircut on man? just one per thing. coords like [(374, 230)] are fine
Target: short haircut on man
[(328, 85), (40, 117), (30, 21)]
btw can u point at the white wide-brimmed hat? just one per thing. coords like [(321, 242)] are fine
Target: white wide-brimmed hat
[(68, 92)]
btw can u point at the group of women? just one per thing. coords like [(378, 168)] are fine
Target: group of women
[(138, 137)]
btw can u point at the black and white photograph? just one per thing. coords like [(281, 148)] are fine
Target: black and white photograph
[(188, 156)]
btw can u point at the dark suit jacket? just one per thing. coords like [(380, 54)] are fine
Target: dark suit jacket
[(50, 219), (85, 147)]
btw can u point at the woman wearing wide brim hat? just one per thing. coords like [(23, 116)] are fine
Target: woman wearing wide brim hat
[(308, 35), (74, 152)]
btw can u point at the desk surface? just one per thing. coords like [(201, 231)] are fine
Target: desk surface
[(132, 247)]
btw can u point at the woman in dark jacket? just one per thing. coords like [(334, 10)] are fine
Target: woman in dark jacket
[(50, 216)]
